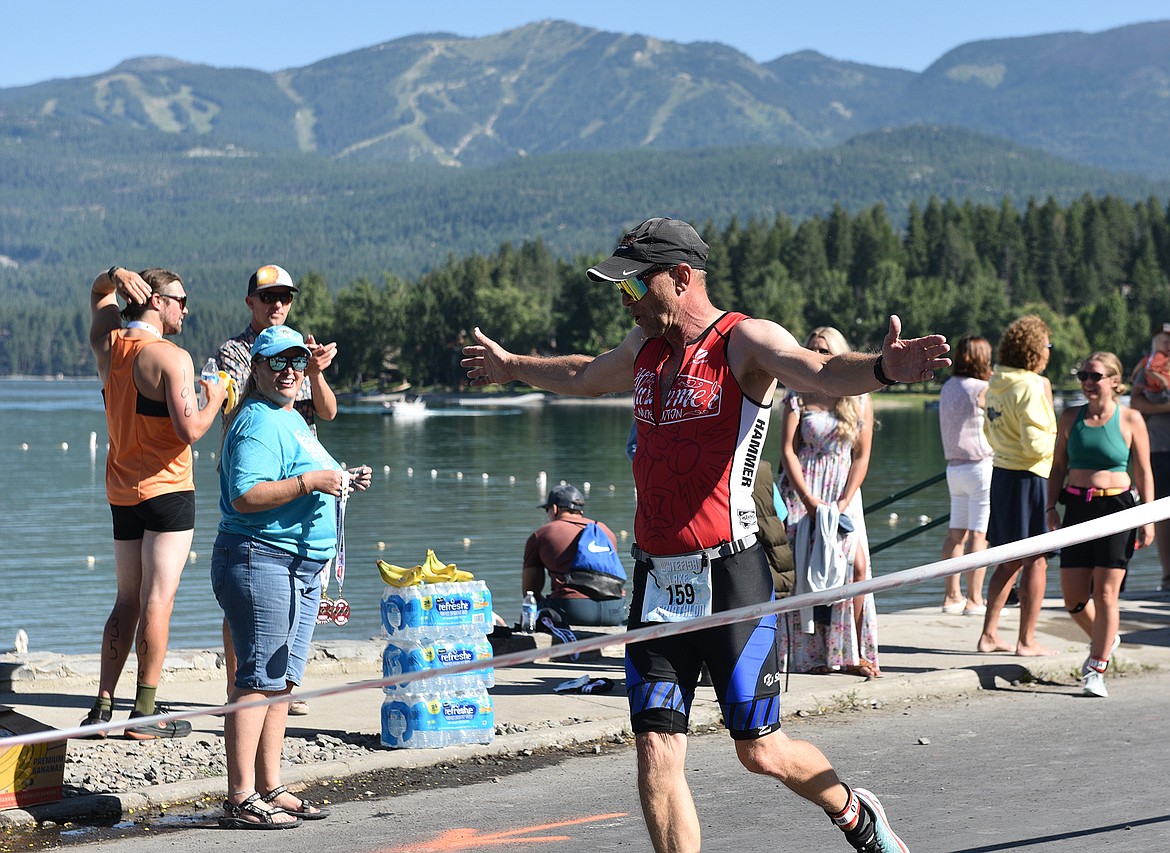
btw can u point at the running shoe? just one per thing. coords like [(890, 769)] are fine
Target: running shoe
[(94, 717), (157, 731), (877, 836), (1085, 666), (1094, 684)]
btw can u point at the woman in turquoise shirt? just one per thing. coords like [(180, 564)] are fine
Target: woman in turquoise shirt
[(278, 491)]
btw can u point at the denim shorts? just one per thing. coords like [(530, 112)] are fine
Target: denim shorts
[(270, 598)]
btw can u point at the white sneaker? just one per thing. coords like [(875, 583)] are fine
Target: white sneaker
[(1094, 684), (1085, 666)]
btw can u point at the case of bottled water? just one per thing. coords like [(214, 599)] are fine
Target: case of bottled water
[(430, 627), (430, 720)]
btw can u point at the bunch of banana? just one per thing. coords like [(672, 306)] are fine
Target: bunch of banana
[(435, 571), (431, 571), (233, 391), (399, 576)]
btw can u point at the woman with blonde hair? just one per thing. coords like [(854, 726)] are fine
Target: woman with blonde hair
[(1097, 446), (824, 452), (968, 455)]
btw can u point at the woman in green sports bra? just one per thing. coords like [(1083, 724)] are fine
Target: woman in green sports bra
[(1098, 445)]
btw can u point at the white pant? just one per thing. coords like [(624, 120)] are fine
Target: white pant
[(970, 487)]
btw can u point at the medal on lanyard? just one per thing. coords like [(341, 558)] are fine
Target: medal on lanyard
[(341, 606), (336, 611)]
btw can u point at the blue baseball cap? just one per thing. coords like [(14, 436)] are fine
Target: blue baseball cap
[(277, 339)]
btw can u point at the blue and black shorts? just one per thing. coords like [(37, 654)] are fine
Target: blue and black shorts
[(742, 658)]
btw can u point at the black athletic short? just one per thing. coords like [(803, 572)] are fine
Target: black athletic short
[(1017, 506), (164, 514), (1111, 552), (661, 674)]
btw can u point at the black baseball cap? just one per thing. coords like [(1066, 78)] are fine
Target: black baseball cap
[(656, 242), (567, 496)]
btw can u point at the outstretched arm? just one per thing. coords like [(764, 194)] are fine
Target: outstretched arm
[(771, 352), (488, 363)]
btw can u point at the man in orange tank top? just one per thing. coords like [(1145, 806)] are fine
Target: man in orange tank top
[(149, 386)]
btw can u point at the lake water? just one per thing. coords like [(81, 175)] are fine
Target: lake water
[(463, 481)]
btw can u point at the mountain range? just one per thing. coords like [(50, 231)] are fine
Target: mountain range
[(552, 87)]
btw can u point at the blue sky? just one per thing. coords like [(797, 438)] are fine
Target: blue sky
[(44, 39)]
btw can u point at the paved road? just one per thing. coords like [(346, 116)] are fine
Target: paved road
[(1021, 769)]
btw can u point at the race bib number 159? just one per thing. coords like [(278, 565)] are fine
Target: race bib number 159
[(677, 589)]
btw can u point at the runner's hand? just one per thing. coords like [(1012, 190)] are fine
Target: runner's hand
[(913, 359), (486, 361)]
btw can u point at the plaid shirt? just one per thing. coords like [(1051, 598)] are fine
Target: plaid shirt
[(235, 359)]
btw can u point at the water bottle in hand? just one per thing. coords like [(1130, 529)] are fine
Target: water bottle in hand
[(528, 613), (210, 373)]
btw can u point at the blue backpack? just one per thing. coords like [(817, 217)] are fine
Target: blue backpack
[(597, 569)]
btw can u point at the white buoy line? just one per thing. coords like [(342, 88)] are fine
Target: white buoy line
[(1155, 511)]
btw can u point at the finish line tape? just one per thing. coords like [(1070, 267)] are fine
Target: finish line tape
[(1155, 511)]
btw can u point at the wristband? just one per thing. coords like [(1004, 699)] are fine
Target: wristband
[(880, 375), (110, 272), (301, 484), (1051, 509)]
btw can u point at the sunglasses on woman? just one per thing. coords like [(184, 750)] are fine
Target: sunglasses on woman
[(1086, 375), (278, 363)]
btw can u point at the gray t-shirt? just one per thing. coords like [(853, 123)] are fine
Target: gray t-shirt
[(1158, 426)]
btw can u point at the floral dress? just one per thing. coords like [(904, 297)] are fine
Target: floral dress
[(825, 461)]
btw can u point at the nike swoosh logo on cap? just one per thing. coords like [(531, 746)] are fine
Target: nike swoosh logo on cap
[(629, 273)]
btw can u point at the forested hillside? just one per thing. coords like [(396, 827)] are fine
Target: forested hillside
[(1097, 269)]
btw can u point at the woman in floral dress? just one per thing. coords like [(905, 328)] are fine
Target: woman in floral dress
[(825, 446)]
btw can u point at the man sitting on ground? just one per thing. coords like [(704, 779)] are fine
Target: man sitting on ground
[(582, 561)]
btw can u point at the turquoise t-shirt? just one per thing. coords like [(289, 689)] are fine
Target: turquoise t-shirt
[(267, 443)]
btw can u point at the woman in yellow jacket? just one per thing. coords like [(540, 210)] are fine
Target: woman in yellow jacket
[(1021, 429)]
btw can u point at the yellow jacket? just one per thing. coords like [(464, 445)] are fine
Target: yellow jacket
[(1020, 425)]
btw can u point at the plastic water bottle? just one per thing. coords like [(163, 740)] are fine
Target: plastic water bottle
[(470, 646), (405, 656), (210, 373), (402, 612), (528, 613)]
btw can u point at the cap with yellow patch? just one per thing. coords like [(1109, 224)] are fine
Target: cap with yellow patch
[(269, 276)]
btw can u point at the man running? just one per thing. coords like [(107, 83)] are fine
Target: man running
[(702, 382)]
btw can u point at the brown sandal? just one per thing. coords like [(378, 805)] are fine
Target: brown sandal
[(233, 817)]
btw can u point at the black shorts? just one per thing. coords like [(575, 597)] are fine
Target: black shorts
[(164, 514), (1110, 552), (1160, 468), (1017, 506), (661, 674)]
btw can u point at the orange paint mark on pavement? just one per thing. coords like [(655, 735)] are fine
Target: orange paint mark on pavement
[(471, 839)]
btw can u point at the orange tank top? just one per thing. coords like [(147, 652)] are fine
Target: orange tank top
[(146, 457)]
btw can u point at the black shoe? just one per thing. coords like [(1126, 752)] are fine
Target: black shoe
[(157, 731), (97, 715)]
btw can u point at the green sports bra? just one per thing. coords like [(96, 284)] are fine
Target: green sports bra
[(1097, 448)]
